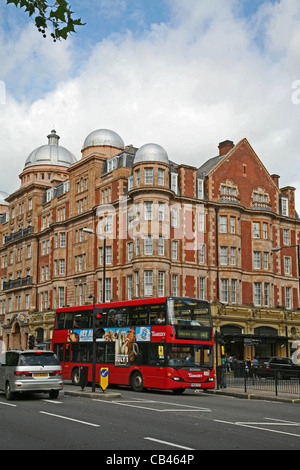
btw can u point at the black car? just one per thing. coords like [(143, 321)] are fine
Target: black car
[(280, 367)]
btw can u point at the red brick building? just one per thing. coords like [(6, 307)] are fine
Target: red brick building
[(170, 228)]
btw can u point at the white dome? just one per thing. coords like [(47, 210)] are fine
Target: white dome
[(3, 196), (51, 154), (151, 153), (103, 137)]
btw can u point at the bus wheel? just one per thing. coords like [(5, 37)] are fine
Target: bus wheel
[(137, 382), (75, 376)]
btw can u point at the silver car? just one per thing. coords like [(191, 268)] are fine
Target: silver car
[(30, 371)]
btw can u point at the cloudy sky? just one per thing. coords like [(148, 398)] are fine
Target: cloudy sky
[(186, 74)]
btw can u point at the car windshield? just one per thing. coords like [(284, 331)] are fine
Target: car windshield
[(38, 359)]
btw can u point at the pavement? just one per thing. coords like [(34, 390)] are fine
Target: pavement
[(109, 394), (257, 395)]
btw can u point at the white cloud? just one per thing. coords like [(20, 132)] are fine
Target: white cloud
[(208, 75)]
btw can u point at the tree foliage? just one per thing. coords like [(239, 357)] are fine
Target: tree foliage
[(57, 15)]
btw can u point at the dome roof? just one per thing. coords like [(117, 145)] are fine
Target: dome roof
[(151, 153), (3, 196), (51, 154), (103, 137)]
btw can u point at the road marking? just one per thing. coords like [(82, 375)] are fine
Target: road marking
[(167, 443), (255, 426), (141, 405), (53, 401), (7, 404), (71, 419)]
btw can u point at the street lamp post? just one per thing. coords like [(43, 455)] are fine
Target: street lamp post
[(89, 230)]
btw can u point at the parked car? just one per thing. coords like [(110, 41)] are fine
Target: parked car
[(281, 367), (30, 371)]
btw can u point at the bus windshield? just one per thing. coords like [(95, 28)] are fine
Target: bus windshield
[(189, 312), (188, 356)]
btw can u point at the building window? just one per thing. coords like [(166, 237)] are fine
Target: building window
[(161, 211), (286, 237), (62, 266), (200, 188), (256, 260), (129, 251), (174, 249), (288, 297), (148, 245), (161, 177), (148, 175), (256, 230), (257, 294), (129, 287), (224, 290), (287, 265), (174, 182), (108, 289), (201, 253), (174, 285), (161, 246), (233, 291), (284, 206), (202, 288), (267, 294), (223, 224), (148, 283), (137, 284), (148, 211), (161, 284), (61, 297), (223, 255)]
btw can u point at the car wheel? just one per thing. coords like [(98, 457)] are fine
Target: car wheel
[(8, 393), (53, 393)]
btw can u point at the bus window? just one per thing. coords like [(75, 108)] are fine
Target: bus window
[(157, 314), (110, 352), (157, 355), (100, 353), (67, 353), (138, 315), (58, 348), (82, 319), (116, 317), (69, 320), (60, 321)]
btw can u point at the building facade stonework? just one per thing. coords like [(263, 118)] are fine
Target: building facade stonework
[(211, 232)]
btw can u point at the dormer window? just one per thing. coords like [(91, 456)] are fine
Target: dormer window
[(174, 182), (284, 206), (200, 188), (229, 191), (260, 198), (112, 164)]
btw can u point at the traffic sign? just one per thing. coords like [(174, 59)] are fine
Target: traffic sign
[(103, 378)]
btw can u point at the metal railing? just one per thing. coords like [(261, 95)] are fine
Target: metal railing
[(252, 379)]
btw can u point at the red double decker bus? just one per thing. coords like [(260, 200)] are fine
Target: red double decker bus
[(164, 343)]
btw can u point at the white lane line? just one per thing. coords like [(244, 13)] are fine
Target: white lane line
[(168, 443), (7, 404), (141, 405), (53, 401), (71, 419), (258, 428)]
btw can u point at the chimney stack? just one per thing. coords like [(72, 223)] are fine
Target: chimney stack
[(225, 147)]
